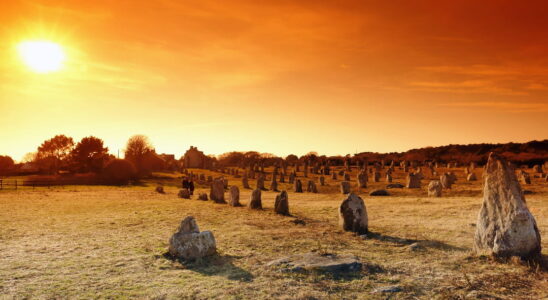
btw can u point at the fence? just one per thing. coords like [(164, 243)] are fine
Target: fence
[(15, 184)]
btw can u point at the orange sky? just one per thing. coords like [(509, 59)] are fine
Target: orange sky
[(278, 76)]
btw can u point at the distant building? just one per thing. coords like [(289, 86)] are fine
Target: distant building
[(196, 159)]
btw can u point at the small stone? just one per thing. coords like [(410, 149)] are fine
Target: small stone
[(379, 193)]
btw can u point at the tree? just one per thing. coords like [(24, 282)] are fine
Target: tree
[(89, 155), (138, 146), (6, 164), (54, 152)]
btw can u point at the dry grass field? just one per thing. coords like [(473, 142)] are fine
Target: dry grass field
[(109, 242)]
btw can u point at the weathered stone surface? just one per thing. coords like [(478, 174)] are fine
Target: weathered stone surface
[(298, 186), (316, 262), (362, 179), (234, 196), (202, 196), (471, 177), (311, 187), (379, 192), (446, 181), (184, 193), (255, 200), (413, 181), (160, 189), (505, 226), (345, 187), (217, 191), (281, 205), (189, 243), (434, 188), (395, 186), (353, 214)]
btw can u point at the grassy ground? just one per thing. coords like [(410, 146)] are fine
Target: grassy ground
[(108, 242)]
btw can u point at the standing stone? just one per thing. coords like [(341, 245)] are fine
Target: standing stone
[(346, 176), (524, 177), (281, 206), (505, 226), (413, 181), (311, 187), (298, 186), (292, 178), (471, 177), (362, 179), (376, 176), (446, 181), (434, 188), (234, 196), (345, 187), (184, 193), (260, 182), (255, 199), (353, 214), (274, 184), (245, 182), (217, 191), (321, 179), (189, 243)]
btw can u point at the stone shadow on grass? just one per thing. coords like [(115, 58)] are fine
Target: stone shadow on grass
[(423, 243), (215, 265)]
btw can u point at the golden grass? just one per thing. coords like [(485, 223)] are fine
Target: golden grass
[(108, 242)]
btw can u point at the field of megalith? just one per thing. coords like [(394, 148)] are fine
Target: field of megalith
[(113, 241)]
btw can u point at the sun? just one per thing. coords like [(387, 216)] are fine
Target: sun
[(41, 56)]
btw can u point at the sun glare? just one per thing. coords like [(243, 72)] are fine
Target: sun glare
[(41, 56)]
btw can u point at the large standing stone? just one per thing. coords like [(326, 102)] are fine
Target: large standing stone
[(505, 227), (311, 187), (217, 191), (298, 186), (189, 243), (446, 181), (362, 179), (345, 187), (255, 200), (281, 206), (353, 214), (413, 181), (234, 196), (434, 188)]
